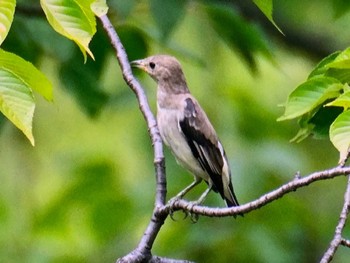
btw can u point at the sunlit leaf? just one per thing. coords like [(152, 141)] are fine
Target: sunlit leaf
[(342, 101), (342, 61), (7, 10), (17, 80), (266, 6), (340, 133), (310, 95), (99, 7), (29, 75), (167, 14), (321, 67), (72, 19)]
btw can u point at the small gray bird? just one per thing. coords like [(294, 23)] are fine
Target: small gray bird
[(186, 129)]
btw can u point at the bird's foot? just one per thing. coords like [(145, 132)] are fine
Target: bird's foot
[(171, 204), (194, 217)]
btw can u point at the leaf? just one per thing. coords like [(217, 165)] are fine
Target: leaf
[(316, 123), (7, 10), (99, 7), (72, 19), (321, 67), (167, 14), (266, 6), (340, 133), (342, 101), (17, 80), (237, 33), (309, 95), (29, 74), (342, 61)]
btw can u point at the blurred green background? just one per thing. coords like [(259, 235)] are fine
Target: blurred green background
[(85, 192)]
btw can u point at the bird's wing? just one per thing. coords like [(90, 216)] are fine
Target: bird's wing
[(202, 140)]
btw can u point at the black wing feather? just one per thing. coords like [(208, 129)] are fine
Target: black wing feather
[(208, 155)]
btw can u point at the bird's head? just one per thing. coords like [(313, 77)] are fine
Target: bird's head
[(164, 69)]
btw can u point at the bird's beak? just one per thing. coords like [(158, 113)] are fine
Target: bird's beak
[(138, 64)]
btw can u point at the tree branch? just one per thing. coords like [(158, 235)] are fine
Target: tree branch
[(143, 250), (161, 211), (345, 242), (262, 201), (337, 239)]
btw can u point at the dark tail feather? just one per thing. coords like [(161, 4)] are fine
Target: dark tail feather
[(232, 201)]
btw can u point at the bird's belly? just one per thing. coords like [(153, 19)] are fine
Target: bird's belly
[(175, 140)]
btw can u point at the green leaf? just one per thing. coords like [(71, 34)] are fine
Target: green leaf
[(17, 102), (167, 14), (72, 19), (342, 101), (342, 61), (321, 67), (7, 10), (99, 7), (309, 95), (316, 123), (29, 74), (237, 33), (266, 6), (340, 133)]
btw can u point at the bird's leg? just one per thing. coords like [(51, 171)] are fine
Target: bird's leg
[(204, 195), (194, 217), (182, 194), (188, 188)]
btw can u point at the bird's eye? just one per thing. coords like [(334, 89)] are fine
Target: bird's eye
[(152, 65)]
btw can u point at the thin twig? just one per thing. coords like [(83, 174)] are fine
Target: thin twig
[(345, 242), (337, 239), (262, 201)]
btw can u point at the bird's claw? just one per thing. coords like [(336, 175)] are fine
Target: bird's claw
[(187, 212), (171, 204)]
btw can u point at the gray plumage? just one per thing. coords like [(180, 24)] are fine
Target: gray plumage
[(186, 129)]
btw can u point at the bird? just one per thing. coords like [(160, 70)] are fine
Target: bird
[(185, 128)]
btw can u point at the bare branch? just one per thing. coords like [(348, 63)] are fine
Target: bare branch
[(345, 242), (337, 239), (262, 201), (143, 251)]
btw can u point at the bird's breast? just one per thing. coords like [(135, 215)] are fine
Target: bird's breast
[(168, 123)]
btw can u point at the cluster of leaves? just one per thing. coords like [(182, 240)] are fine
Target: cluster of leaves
[(74, 20), (321, 103)]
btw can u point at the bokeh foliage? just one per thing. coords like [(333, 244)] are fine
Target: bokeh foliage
[(85, 192)]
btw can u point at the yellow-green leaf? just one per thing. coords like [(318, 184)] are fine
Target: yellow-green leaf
[(73, 19), (29, 75), (339, 134), (17, 80), (7, 10), (342, 61), (342, 101), (99, 7)]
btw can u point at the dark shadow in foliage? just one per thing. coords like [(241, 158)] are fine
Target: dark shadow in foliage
[(238, 34), (83, 80)]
